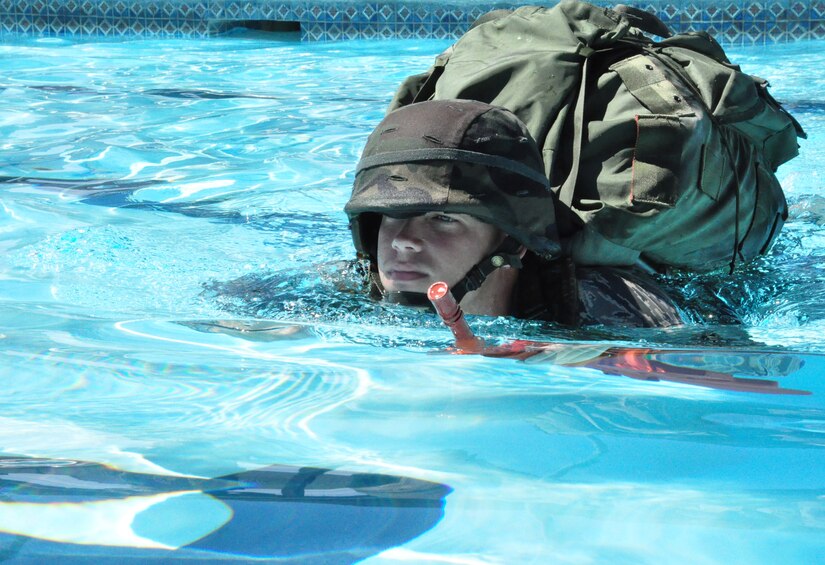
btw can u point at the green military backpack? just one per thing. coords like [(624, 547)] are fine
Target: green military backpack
[(664, 149)]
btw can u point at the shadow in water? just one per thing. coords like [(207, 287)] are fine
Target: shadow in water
[(284, 513), (116, 193)]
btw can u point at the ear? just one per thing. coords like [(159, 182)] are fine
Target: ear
[(522, 251)]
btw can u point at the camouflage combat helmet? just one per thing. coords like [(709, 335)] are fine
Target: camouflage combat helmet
[(455, 156)]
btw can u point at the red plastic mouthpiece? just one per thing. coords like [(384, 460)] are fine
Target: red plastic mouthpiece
[(444, 303), (438, 291)]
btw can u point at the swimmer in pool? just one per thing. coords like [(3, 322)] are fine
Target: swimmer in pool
[(455, 190)]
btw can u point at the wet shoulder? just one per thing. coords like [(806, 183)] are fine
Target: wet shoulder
[(613, 296)]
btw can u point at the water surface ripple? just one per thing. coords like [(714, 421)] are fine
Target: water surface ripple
[(170, 216)]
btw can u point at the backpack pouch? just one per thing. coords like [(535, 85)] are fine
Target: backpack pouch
[(767, 220)]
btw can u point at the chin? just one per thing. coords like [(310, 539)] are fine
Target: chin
[(405, 286)]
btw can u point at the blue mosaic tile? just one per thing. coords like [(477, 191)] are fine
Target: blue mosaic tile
[(314, 14), (423, 32), (734, 22), (412, 31), (753, 31), (133, 11), (404, 31), (180, 11), (732, 35), (367, 13), (333, 32), (712, 13), (670, 12), (332, 14), (732, 11), (441, 32), (384, 32), (72, 26), (150, 8), (475, 12), (232, 10), (351, 32), (753, 11), (652, 7), (385, 13), (119, 8), (300, 12), (776, 33), (689, 26), (250, 10), (448, 16), (315, 32), (798, 32), (268, 11), (691, 12), (348, 13), (214, 10), (369, 31), (715, 30), (759, 41), (799, 10), (422, 15), (777, 10), (404, 13), (39, 25), (89, 27)]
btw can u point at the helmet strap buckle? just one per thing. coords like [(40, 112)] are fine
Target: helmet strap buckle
[(507, 255)]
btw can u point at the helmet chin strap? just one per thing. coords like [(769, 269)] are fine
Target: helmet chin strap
[(407, 298), (508, 254)]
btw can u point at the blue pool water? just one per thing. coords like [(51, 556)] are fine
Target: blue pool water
[(164, 209)]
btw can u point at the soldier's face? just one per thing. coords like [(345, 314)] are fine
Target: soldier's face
[(415, 252)]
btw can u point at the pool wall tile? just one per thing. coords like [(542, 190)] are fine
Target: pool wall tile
[(732, 22)]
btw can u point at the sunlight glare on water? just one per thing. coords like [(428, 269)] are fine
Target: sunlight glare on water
[(170, 212)]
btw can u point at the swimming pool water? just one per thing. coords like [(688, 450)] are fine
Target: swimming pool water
[(164, 207)]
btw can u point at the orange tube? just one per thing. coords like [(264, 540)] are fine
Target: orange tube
[(444, 303)]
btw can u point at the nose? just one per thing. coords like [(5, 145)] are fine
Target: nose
[(407, 236)]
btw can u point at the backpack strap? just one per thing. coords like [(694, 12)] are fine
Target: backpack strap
[(421, 87), (568, 307), (568, 188), (548, 291), (643, 20)]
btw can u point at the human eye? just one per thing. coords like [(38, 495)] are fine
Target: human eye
[(444, 218)]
